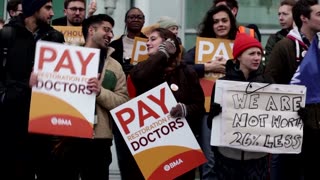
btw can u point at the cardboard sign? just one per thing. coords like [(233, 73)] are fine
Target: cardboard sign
[(139, 51), (72, 34), (259, 117), (207, 49), (61, 102), (163, 147)]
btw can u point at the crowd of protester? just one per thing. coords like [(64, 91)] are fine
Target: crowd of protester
[(28, 156)]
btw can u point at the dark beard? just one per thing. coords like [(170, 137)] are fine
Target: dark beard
[(41, 23)]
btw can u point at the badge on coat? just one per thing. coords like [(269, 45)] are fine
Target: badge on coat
[(174, 87)]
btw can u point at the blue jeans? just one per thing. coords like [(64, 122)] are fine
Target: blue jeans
[(206, 170)]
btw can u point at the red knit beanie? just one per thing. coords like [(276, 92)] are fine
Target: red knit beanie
[(244, 42)]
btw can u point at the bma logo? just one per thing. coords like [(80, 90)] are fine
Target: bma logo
[(173, 164), (60, 122)]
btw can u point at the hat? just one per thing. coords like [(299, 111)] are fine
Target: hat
[(29, 7), (244, 42), (166, 22)]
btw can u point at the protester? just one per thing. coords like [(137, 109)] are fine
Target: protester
[(14, 8), (232, 163), (75, 13), (134, 21), (163, 65), (307, 75), (251, 29), (22, 155), (284, 60), (214, 20), (285, 21), (220, 23), (90, 158)]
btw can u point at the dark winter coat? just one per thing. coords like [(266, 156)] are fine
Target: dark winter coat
[(284, 59), (117, 45), (60, 21), (20, 60), (151, 73), (272, 40)]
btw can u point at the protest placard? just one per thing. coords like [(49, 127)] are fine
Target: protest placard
[(61, 103), (259, 117), (209, 49), (163, 147), (72, 34), (139, 51)]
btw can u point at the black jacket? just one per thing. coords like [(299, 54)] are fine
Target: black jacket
[(152, 72), (20, 60), (60, 21), (117, 45)]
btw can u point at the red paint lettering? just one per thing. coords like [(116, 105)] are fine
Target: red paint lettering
[(43, 59), (124, 122)]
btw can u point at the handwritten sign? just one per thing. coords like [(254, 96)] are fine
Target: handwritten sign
[(139, 51), (151, 133), (265, 120), (208, 49), (72, 34), (61, 102)]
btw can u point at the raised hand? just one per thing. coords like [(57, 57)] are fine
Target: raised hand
[(168, 47)]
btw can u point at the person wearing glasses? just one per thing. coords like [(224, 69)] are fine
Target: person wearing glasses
[(134, 21), (123, 46), (75, 13), (89, 159), (14, 8)]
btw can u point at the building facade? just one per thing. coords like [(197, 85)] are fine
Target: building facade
[(188, 14)]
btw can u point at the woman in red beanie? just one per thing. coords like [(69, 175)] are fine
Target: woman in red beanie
[(231, 163)]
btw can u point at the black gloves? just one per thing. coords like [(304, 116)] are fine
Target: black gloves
[(126, 66), (302, 112), (180, 110), (215, 109)]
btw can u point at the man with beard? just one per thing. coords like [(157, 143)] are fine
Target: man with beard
[(134, 21), (90, 158), (22, 154), (75, 12)]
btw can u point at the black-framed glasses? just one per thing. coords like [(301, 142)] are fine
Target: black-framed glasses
[(133, 17), (75, 9)]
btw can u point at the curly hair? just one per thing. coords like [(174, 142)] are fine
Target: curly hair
[(205, 27)]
